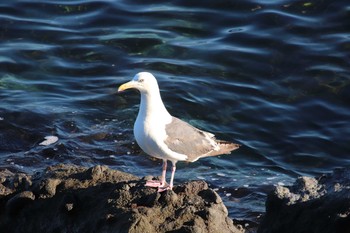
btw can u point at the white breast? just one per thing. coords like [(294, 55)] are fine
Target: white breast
[(150, 135)]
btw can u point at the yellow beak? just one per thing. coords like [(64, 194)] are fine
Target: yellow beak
[(125, 86)]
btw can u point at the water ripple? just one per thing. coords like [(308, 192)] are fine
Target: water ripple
[(272, 75)]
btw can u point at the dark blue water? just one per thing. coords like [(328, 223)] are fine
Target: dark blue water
[(271, 75)]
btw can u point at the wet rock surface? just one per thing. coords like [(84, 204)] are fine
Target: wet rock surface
[(67, 198), (311, 205)]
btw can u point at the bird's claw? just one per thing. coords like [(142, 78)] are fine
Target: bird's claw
[(153, 183), (157, 184), (164, 188)]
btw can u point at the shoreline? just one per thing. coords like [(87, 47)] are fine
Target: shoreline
[(67, 197)]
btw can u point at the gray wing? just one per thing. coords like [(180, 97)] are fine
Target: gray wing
[(185, 139)]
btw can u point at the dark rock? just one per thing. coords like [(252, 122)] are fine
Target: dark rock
[(66, 198), (319, 205), (18, 201)]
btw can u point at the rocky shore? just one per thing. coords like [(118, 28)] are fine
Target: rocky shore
[(67, 198), (312, 205)]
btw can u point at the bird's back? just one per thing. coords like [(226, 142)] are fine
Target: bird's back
[(185, 139)]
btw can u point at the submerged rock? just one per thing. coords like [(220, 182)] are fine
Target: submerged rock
[(66, 198), (319, 205)]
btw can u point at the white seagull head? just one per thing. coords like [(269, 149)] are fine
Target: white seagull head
[(144, 82)]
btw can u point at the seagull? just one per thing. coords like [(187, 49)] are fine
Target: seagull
[(166, 137)]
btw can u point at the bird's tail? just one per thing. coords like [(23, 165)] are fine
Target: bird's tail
[(225, 148)]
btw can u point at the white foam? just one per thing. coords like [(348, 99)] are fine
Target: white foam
[(271, 178), (49, 140)]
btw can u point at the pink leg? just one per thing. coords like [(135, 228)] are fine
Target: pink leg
[(170, 187), (163, 173), (173, 169), (157, 183)]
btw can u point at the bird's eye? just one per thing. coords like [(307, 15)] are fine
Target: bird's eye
[(141, 80)]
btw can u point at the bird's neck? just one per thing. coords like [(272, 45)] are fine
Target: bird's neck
[(152, 106)]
